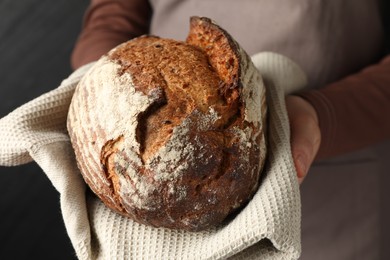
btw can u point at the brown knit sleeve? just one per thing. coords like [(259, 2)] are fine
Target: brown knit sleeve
[(353, 112), (108, 23)]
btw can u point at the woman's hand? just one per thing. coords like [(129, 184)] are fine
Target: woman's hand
[(305, 133)]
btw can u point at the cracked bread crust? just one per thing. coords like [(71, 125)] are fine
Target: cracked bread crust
[(170, 133)]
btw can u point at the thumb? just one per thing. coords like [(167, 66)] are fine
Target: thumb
[(304, 146), (305, 134)]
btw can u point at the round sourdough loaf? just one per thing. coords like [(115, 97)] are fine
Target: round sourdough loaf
[(170, 133)]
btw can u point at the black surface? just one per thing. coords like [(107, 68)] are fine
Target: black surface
[(36, 39)]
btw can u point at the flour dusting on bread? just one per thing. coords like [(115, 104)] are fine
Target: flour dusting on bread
[(171, 133)]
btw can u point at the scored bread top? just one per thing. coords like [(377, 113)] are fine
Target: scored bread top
[(171, 133), (182, 77)]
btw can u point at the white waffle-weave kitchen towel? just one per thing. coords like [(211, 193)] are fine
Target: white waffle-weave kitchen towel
[(267, 228)]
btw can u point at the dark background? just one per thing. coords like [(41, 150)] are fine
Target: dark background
[(36, 39)]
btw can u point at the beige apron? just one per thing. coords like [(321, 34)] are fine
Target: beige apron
[(345, 213)]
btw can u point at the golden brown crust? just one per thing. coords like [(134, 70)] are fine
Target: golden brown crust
[(219, 47), (184, 77), (178, 147)]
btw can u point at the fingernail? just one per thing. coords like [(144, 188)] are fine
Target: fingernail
[(301, 167)]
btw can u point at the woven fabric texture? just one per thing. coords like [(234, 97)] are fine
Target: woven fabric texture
[(267, 228)]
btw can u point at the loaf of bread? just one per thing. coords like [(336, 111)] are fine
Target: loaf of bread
[(169, 133)]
